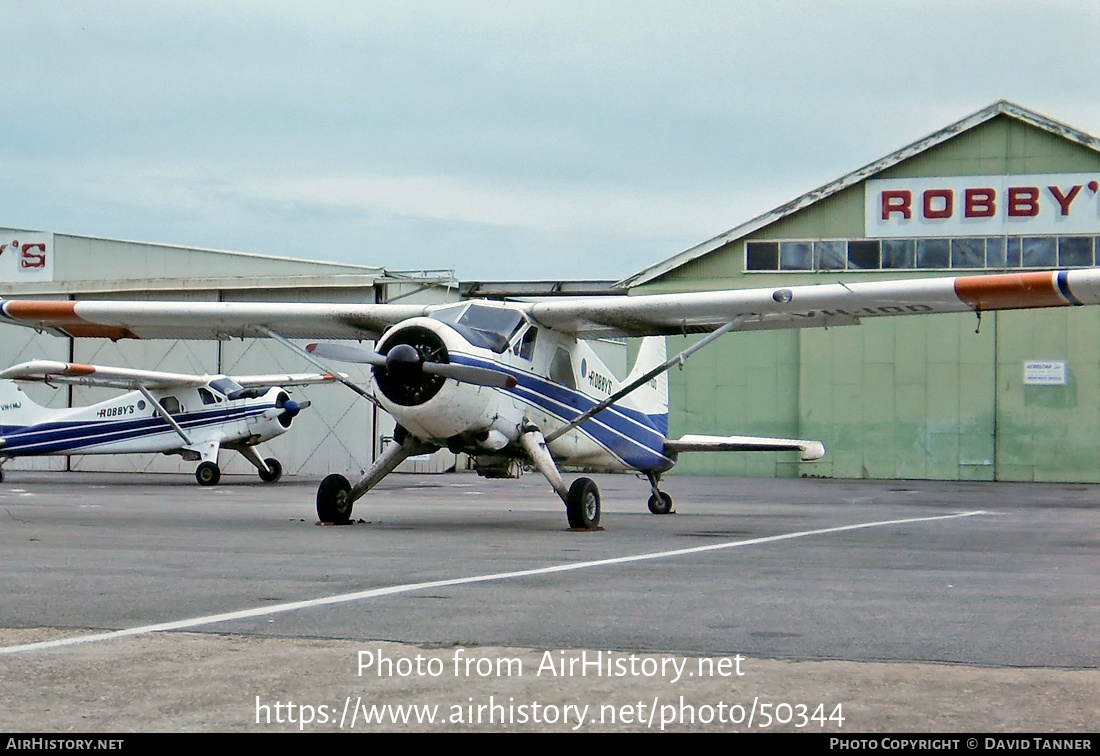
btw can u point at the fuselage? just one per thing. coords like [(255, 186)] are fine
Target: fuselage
[(129, 423), (557, 379)]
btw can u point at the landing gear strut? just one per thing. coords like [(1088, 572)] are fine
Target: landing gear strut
[(582, 499), (336, 496), (270, 469)]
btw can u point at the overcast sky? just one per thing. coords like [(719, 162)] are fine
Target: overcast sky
[(505, 140)]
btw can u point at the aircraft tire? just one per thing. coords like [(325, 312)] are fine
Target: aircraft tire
[(583, 508), (208, 474), (660, 503), (333, 504), (275, 470)]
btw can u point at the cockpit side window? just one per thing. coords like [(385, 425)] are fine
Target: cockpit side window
[(206, 396), (525, 347), (561, 369)]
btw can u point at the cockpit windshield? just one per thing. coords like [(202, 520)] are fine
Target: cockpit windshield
[(483, 326), (226, 386)]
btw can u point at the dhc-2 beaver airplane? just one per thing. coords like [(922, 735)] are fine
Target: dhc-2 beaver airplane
[(172, 413), (514, 385)]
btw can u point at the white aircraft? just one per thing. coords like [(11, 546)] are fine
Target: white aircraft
[(514, 385), (172, 413)]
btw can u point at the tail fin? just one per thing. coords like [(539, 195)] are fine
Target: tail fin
[(651, 397), (16, 408)]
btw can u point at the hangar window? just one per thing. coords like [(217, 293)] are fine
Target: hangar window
[(1039, 252), (863, 255), (830, 255), (964, 252), (968, 252), (995, 253), (796, 255), (762, 256), (1074, 251), (933, 253)]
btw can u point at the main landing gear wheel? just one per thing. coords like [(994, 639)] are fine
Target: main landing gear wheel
[(333, 504), (208, 474), (583, 507), (660, 503), (274, 471)]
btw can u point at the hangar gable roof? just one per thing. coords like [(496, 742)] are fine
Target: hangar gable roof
[(999, 108)]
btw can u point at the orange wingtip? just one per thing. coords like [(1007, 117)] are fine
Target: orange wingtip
[(1009, 291), (62, 316)]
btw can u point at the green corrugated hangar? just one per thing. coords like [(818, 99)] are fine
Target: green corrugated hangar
[(933, 397)]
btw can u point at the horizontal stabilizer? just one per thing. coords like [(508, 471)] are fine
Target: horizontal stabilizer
[(810, 450)]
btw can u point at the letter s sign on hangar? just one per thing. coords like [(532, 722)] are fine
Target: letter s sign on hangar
[(1049, 203), (26, 256)]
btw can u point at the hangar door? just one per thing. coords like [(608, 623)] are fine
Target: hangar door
[(1048, 395), (902, 398)]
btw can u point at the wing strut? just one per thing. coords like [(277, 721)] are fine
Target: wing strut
[(642, 380), (164, 414), (317, 363)]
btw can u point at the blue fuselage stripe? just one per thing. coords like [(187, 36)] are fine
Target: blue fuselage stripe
[(50, 438), (632, 436)]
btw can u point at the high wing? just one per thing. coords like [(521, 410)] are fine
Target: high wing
[(207, 320), (131, 378), (647, 315), (98, 375), (816, 305)]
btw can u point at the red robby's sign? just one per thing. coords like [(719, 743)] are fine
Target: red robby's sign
[(25, 256), (1048, 203)]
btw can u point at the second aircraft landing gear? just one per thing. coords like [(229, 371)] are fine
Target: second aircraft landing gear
[(274, 470), (208, 473), (660, 503)]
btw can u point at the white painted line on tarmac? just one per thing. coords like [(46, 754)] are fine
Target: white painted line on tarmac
[(410, 587)]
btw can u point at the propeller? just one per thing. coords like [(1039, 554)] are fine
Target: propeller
[(404, 361), (289, 408)]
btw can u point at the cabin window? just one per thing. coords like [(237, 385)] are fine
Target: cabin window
[(171, 405), (561, 369), (206, 396)]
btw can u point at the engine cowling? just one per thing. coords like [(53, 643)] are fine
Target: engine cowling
[(401, 379)]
